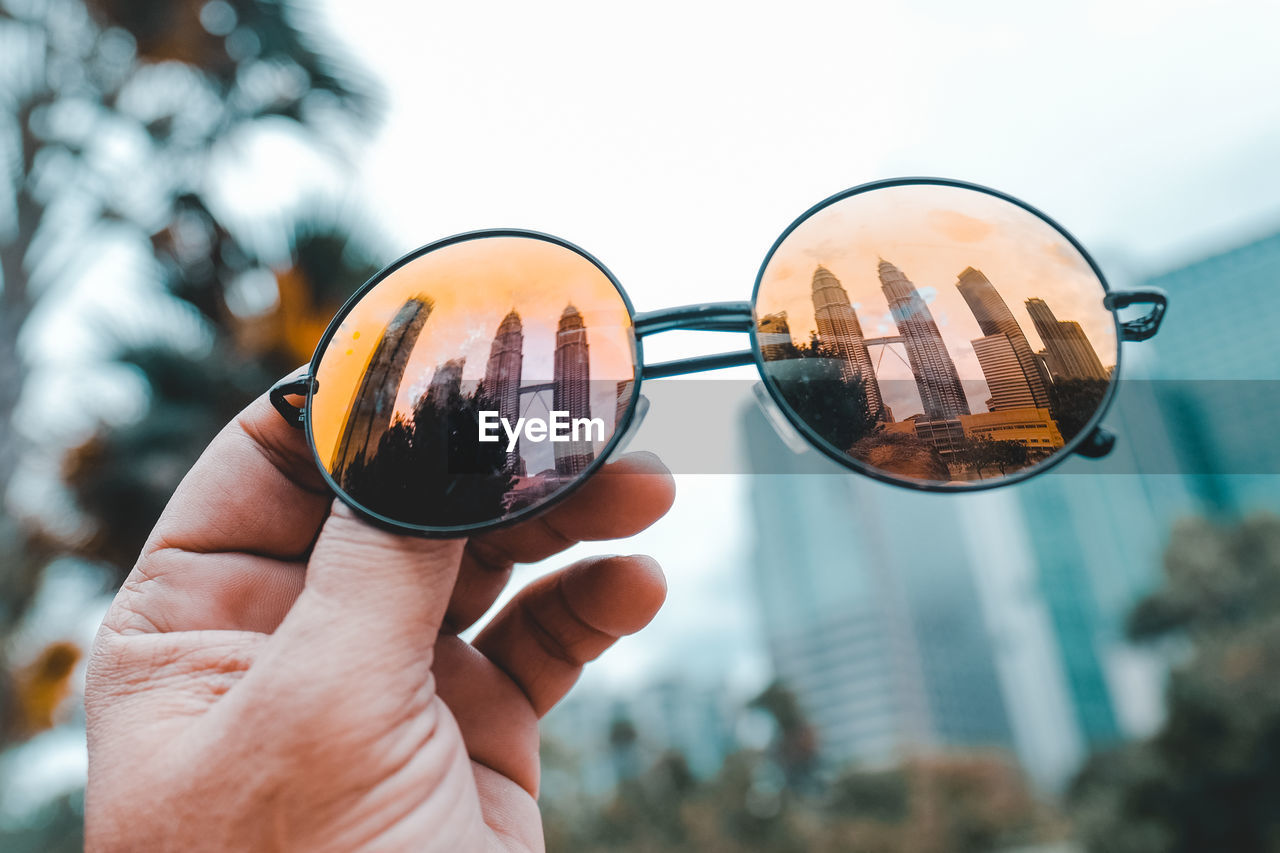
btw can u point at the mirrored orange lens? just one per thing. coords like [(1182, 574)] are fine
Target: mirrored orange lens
[(474, 382), (935, 334)]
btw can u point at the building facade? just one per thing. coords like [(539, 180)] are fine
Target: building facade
[(445, 382), (373, 405), (876, 629), (774, 334), (572, 394), (994, 319), (838, 327), (1004, 373), (502, 377), (941, 393), (1070, 354)]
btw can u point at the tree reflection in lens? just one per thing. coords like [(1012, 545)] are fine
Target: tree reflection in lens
[(932, 350), (473, 335)]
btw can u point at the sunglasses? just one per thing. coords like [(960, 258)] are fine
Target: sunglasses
[(930, 333)]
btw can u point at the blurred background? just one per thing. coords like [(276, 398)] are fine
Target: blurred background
[(1086, 662)]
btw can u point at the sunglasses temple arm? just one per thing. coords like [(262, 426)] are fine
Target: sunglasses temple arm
[(1144, 327)]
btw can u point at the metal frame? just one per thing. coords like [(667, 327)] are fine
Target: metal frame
[(1092, 441)]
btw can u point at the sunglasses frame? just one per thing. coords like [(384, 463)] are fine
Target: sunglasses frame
[(1091, 441)]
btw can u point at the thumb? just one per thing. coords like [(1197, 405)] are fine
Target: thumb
[(372, 598)]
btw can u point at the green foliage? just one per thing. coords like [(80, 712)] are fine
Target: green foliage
[(983, 453), (780, 800), (1210, 778), (93, 94), (835, 406), (433, 469), (970, 803)]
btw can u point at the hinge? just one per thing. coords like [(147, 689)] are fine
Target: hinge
[(292, 386)]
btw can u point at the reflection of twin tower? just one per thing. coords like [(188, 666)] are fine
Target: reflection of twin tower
[(1016, 377), (372, 408), (940, 391), (570, 386)]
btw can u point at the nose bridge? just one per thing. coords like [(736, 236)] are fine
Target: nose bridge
[(706, 317)]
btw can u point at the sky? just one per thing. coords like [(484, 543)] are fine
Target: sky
[(676, 141)]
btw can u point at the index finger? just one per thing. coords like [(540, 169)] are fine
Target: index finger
[(621, 499)]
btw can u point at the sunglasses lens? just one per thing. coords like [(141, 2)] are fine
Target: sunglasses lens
[(935, 334), (474, 382)]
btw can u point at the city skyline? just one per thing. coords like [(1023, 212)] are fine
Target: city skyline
[(933, 234), (945, 440), (476, 286), (977, 332)]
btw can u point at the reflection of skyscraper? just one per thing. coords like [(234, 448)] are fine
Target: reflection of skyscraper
[(502, 375), (572, 394), (935, 373), (838, 327), (622, 399), (373, 403), (446, 381), (774, 334), (995, 318), (1070, 353), (1001, 367)]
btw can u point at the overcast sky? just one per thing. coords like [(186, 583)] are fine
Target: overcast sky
[(676, 140)]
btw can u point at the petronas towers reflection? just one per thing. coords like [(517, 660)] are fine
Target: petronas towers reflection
[(1037, 400), (427, 466)]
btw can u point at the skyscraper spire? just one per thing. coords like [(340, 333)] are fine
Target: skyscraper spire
[(838, 327), (941, 393)]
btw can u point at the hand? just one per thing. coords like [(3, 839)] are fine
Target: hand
[(276, 674)]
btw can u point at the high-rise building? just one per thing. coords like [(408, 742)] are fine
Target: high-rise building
[(774, 335), (373, 404), (572, 393), (1216, 359), (995, 318), (838, 327), (503, 373), (878, 630), (1004, 374), (941, 393), (1047, 366), (622, 400), (445, 382), (1072, 355)]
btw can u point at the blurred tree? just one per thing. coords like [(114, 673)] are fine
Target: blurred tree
[(1210, 778), (982, 453), (118, 122), (969, 802)]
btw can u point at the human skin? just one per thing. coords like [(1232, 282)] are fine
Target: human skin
[(276, 674)]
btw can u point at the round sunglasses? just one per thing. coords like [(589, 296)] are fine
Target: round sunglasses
[(930, 333)]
